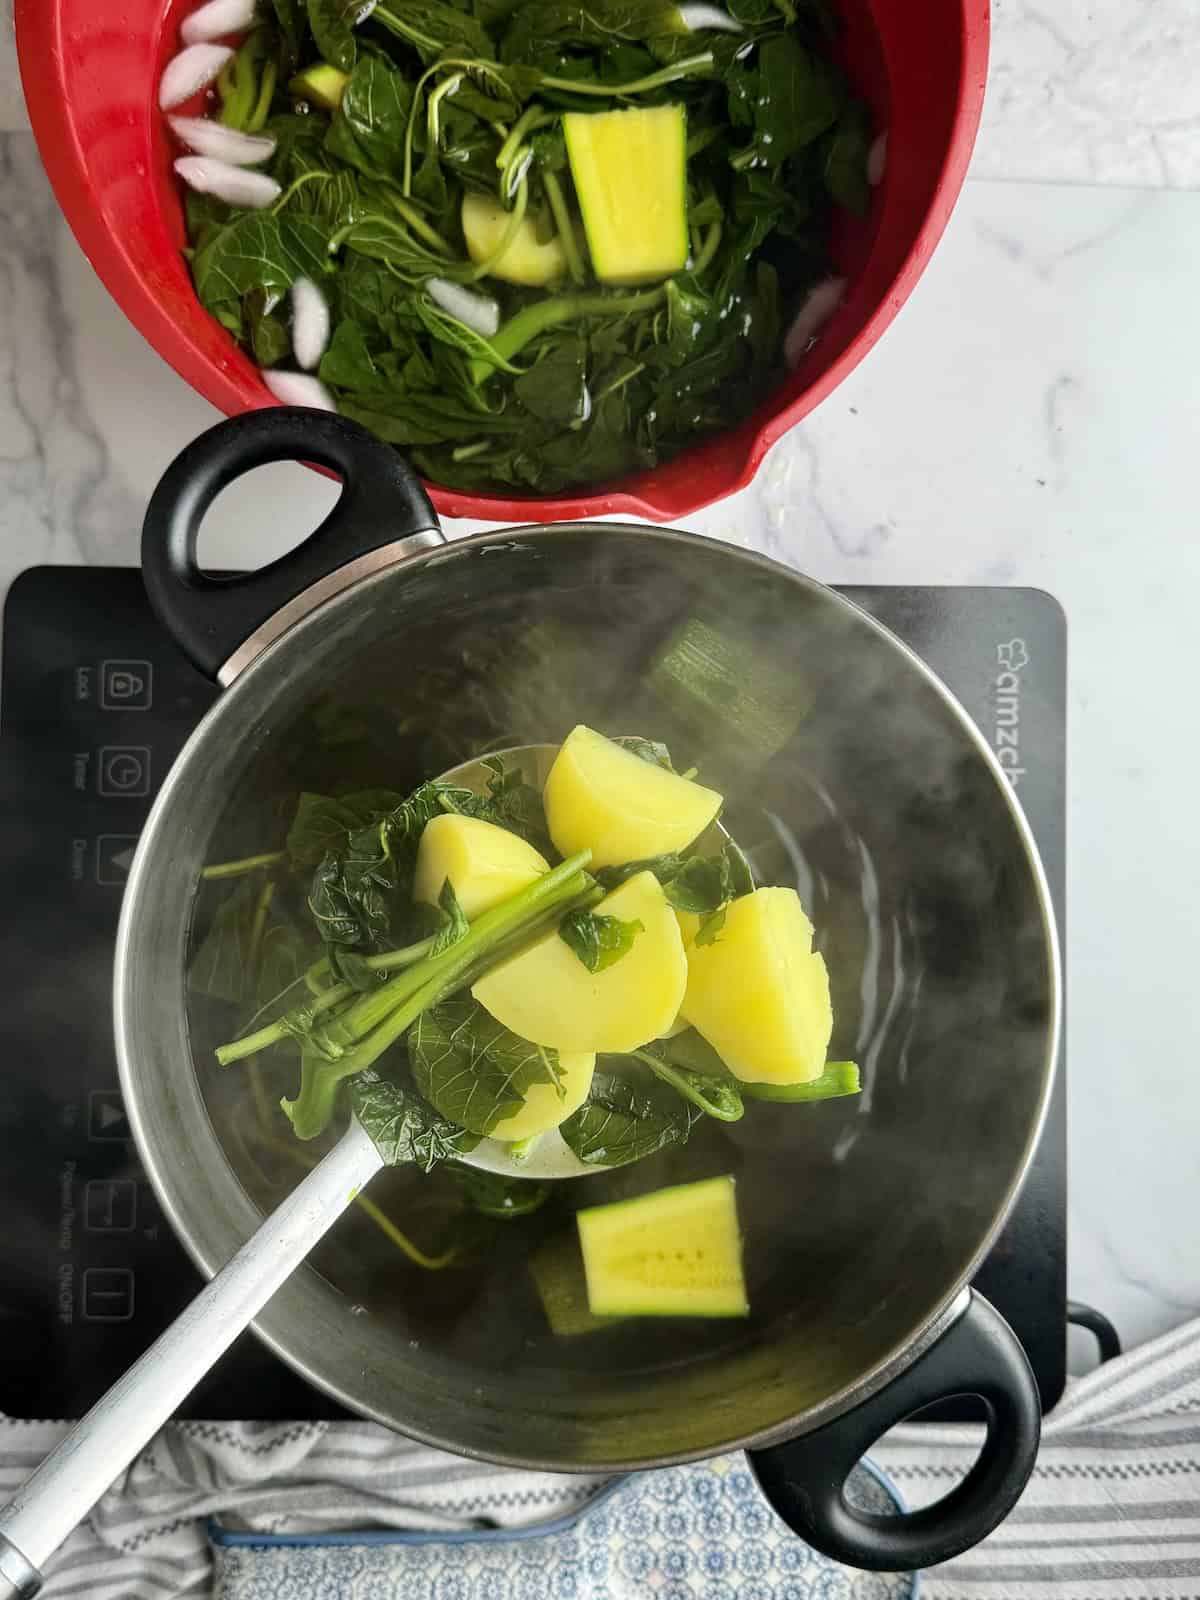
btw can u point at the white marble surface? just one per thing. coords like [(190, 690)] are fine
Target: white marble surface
[(1080, 91), (1033, 418)]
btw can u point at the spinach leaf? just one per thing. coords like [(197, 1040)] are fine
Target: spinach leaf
[(701, 884), (322, 822), (598, 941), (434, 29), (625, 1118), (510, 803), (798, 98), (354, 889), (289, 14), (516, 805), (710, 1086), (259, 250), (541, 26), (402, 1126), (205, 216), (651, 750), (359, 885), (709, 930), (332, 23), (367, 131), (497, 1196), (456, 926), (270, 339), (555, 388), (471, 1068)]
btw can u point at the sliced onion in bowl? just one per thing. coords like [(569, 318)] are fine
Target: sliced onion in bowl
[(190, 71), (819, 305), (216, 19), (310, 323), (696, 15), (210, 138), (297, 389), (235, 185), (475, 311)]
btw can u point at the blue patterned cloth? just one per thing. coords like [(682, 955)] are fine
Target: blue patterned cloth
[(699, 1532)]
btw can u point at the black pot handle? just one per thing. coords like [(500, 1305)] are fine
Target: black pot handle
[(805, 1478), (210, 616)]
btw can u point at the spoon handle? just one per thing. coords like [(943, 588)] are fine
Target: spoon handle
[(77, 1472)]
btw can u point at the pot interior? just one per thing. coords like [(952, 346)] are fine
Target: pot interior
[(847, 773)]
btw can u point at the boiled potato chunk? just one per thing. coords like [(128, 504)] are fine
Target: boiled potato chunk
[(526, 260), (544, 1108), (485, 864), (602, 798), (547, 995), (759, 993)]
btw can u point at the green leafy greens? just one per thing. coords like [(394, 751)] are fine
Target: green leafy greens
[(471, 1068), (583, 382), (627, 1116), (598, 941)]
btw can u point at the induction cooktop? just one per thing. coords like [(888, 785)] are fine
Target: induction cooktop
[(95, 704)]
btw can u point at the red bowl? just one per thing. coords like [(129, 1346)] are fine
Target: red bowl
[(90, 71)]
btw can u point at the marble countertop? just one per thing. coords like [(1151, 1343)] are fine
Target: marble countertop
[(1030, 419)]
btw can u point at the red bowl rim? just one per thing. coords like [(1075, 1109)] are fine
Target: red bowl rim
[(38, 32)]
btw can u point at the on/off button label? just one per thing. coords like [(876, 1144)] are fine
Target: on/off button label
[(108, 1294)]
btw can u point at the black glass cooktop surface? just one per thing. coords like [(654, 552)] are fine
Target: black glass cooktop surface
[(95, 704)]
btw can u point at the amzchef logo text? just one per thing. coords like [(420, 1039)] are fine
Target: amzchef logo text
[(1012, 658)]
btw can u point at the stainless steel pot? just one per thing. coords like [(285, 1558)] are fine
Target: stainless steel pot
[(834, 745)]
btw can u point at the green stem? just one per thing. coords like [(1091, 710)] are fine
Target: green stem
[(487, 931), (418, 224), (468, 452), (258, 928), (433, 105), (285, 1028), (312, 1110), (532, 117), (562, 221), (266, 93), (297, 184), (449, 64), (515, 218), (238, 84), (437, 263), (686, 68), (236, 869), (725, 1104), (839, 1078), (617, 384), (405, 30), (543, 314), (401, 1240), (709, 248), (324, 1000)]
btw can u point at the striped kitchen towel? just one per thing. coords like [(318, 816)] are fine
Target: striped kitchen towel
[(1112, 1513), (1113, 1509)]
